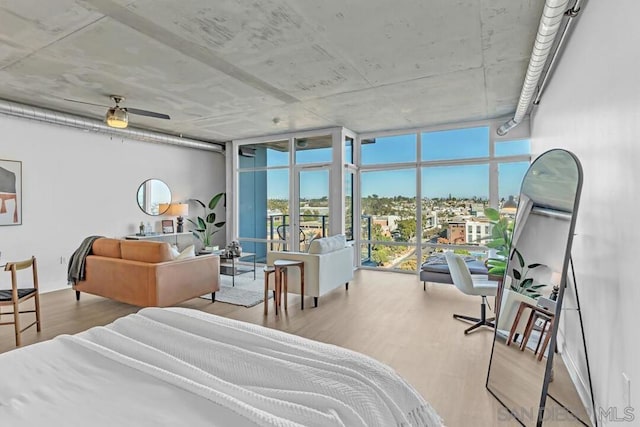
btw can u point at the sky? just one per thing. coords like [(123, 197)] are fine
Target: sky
[(459, 181)]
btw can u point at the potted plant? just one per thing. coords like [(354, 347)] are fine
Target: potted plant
[(207, 226), (521, 283), (499, 242)]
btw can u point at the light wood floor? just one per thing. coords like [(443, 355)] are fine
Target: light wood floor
[(384, 315)]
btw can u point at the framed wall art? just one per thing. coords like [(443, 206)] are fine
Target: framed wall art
[(167, 226), (10, 192)]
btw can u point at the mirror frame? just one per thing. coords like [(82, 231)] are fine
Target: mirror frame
[(558, 310), (141, 186)]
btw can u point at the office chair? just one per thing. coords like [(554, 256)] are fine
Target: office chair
[(463, 280)]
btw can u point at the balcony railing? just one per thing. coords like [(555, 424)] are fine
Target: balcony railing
[(311, 226), (402, 252)]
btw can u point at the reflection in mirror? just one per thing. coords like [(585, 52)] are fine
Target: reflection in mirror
[(529, 357), (151, 194)]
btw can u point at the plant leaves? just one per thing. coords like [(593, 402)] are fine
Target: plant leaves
[(526, 283), (513, 288), (520, 258), (201, 223), (492, 214), (211, 218), (516, 274), (219, 224), (497, 271), (214, 201), (200, 203), (496, 243), (534, 265), (538, 286)]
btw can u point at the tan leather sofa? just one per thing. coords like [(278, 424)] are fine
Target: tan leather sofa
[(143, 273)]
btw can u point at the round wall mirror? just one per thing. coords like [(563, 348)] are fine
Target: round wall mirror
[(151, 194)]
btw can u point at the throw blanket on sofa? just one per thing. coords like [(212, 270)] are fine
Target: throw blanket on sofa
[(179, 366), (76, 267)]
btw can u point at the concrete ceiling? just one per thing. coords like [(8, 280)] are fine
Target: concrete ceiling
[(226, 69)]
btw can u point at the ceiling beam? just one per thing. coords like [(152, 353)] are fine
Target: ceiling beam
[(188, 48)]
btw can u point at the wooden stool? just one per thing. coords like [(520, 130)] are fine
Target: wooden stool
[(281, 266), (516, 321), (547, 317), (267, 271)]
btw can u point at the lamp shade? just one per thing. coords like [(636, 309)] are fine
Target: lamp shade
[(179, 209), (164, 209)]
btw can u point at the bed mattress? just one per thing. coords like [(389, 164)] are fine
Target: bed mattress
[(177, 366)]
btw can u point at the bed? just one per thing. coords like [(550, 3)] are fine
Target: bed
[(177, 366), (436, 269)]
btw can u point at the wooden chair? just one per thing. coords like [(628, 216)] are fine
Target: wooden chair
[(16, 295), (285, 230)]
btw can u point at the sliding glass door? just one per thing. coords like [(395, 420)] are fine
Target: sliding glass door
[(312, 201)]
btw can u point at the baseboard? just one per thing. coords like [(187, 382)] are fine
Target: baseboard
[(582, 387)]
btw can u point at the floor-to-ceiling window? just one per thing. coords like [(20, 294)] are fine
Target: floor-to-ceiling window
[(399, 196), (456, 174), (283, 192), (263, 196)]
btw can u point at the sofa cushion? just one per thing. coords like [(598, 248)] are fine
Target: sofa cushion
[(107, 248), (143, 251), (328, 244), (188, 252)]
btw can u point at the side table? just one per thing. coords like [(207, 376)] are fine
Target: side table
[(535, 314), (280, 267), (229, 268)]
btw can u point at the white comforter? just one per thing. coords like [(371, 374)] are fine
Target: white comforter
[(185, 367)]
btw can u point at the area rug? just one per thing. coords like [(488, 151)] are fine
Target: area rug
[(246, 292)]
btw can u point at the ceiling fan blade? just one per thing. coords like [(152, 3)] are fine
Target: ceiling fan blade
[(86, 103), (147, 113)]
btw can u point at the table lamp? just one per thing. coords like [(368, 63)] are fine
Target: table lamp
[(180, 210)]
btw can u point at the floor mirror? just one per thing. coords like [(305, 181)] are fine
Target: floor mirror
[(539, 368)]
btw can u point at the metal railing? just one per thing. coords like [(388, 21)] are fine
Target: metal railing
[(311, 225)]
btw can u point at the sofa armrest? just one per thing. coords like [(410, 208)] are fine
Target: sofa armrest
[(187, 278)]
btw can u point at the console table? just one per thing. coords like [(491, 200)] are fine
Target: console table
[(161, 237)]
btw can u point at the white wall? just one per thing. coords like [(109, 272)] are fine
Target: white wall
[(77, 184), (592, 107)]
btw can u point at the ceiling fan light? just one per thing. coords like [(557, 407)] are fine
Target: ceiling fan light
[(117, 118)]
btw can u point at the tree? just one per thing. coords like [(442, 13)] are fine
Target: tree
[(407, 229)]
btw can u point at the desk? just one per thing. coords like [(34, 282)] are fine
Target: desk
[(160, 237)]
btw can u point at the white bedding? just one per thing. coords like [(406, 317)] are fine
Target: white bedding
[(184, 367)]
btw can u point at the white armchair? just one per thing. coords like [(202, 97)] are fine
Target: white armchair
[(328, 265)]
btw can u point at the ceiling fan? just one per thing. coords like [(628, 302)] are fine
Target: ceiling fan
[(117, 116)]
